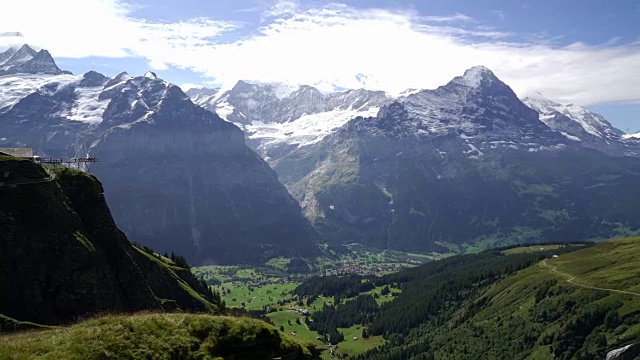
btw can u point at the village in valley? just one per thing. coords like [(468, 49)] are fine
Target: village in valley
[(269, 290)]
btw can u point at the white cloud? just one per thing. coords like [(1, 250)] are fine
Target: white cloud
[(69, 28), (82, 28), (452, 18), (393, 51), (334, 45), (283, 7)]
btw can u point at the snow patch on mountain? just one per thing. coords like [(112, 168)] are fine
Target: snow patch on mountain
[(276, 115), (14, 88), (223, 109), (635, 136), (305, 131), (570, 137), (87, 107)]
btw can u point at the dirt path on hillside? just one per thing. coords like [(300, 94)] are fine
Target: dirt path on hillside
[(572, 278), (50, 178)]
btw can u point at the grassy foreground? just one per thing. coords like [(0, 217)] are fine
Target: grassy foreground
[(156, 336)]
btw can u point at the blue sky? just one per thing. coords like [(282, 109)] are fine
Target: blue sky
[(580, 51)]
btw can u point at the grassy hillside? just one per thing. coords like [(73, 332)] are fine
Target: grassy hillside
[(567, 306), (578, 305), (156, 336)]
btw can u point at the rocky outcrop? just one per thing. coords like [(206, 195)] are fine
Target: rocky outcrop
[(183, 180), (629, 352), (62, 256)]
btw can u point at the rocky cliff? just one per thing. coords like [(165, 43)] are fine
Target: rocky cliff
[(62, 256)]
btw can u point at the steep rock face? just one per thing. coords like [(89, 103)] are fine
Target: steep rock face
[(196, 187), (466, 163), (178, 177), (62, 255), (628, 352)]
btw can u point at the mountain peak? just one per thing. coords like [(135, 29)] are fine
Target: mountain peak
[(123, 76), (474, 76), (29, 61), (43, 55), (26, 47), (21, 55), (150, 75)]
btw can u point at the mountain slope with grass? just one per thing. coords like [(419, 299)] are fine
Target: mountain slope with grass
[(157, 336), (62, 256), (577, 305)]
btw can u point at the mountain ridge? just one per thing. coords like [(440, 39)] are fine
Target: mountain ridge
[(273, 134), (463, 161), (156, 146)]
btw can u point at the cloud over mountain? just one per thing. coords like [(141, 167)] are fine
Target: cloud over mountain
[(333, 46)]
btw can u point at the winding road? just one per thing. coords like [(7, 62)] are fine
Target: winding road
[(571, 281)]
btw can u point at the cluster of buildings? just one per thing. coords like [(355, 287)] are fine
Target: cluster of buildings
[(304, 312), (363, 269)]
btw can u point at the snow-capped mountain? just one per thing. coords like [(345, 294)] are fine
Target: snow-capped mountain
[(477, 107), (171, 170), (463, 164), (578, 124), (279, 117), (26, 60), (204, 97)]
